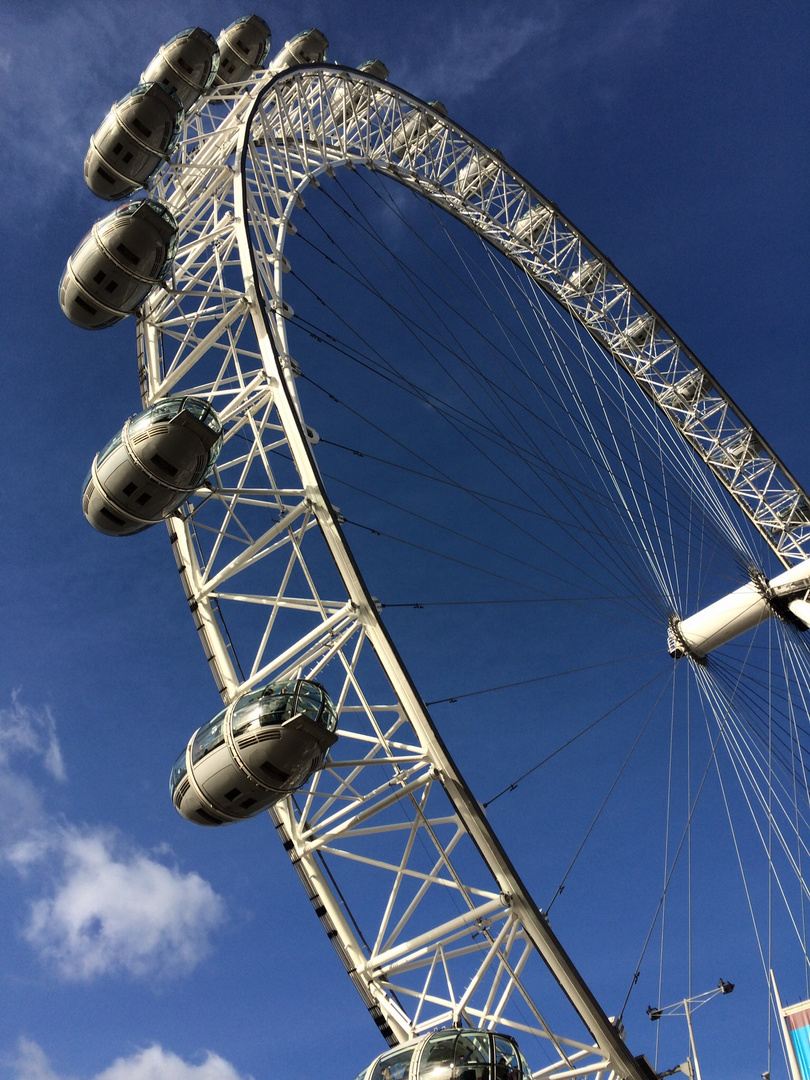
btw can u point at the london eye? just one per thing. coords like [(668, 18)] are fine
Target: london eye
[(344, 300)]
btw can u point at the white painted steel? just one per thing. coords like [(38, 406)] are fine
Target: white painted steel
[(741, 611), (264, 540)]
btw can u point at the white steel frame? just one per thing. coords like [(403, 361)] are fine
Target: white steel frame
[(449, 934)]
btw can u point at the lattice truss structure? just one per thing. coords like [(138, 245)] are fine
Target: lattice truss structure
[(407, 878)]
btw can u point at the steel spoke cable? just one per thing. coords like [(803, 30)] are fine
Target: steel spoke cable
[(525, 284), (611, 789), (589, 727), (636, 597), (751, 789), (489, 252), (461, 562), (748, 694), (643, 416), (641, 419), (626, 580), (642, 471), (687, 827), (752, 762), (539, 678)]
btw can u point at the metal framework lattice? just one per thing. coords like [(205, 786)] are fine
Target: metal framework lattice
[(441, 930)]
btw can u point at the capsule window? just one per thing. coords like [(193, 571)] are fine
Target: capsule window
[(207, 817), (105, 175), (112, 517), (140, 126), (111, 286), (232, 794), (128, 253), (394, 1065), (274, 773), (247, 804), (82, 303), (143, 499), (99, 277), (164, 465), (130, 488)]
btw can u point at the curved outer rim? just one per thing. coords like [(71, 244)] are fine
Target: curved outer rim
[(280, 371), (790, 549), (511, 887)]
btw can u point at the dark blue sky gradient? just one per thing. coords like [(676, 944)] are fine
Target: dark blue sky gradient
[(674, 134)]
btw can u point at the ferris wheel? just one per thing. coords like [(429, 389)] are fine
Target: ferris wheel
[(322, 723)]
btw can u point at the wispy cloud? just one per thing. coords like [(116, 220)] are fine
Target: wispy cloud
[(25, 731), (48, 112), (527, 46), (153, 1063), (116, 910), (27, 737)]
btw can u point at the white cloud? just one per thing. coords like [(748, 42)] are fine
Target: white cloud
[(153, 1063), (114, 911), (109, 908), (32, 1063)]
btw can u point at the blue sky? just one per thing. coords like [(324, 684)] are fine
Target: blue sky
[(674, 134)]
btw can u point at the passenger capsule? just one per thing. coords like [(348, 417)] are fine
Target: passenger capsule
[(136, 136), (413, 135), (348, 96), (243, 48), (308, 47), (533, 225), (264, 746), (151, 466), (118, 263), (476, 175), (462, 1053), (187, 64), (375, 68)]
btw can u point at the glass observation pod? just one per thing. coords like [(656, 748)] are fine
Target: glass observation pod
[(118, 263), (308, 47), (477, 175), (187, 64), (452, 1054), (151, 466), (348, 95), (243, 48), (416, 130), (264, 746), (133, 140), (532, 226)]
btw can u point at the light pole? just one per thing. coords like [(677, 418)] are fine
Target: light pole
[(685, 1008)]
